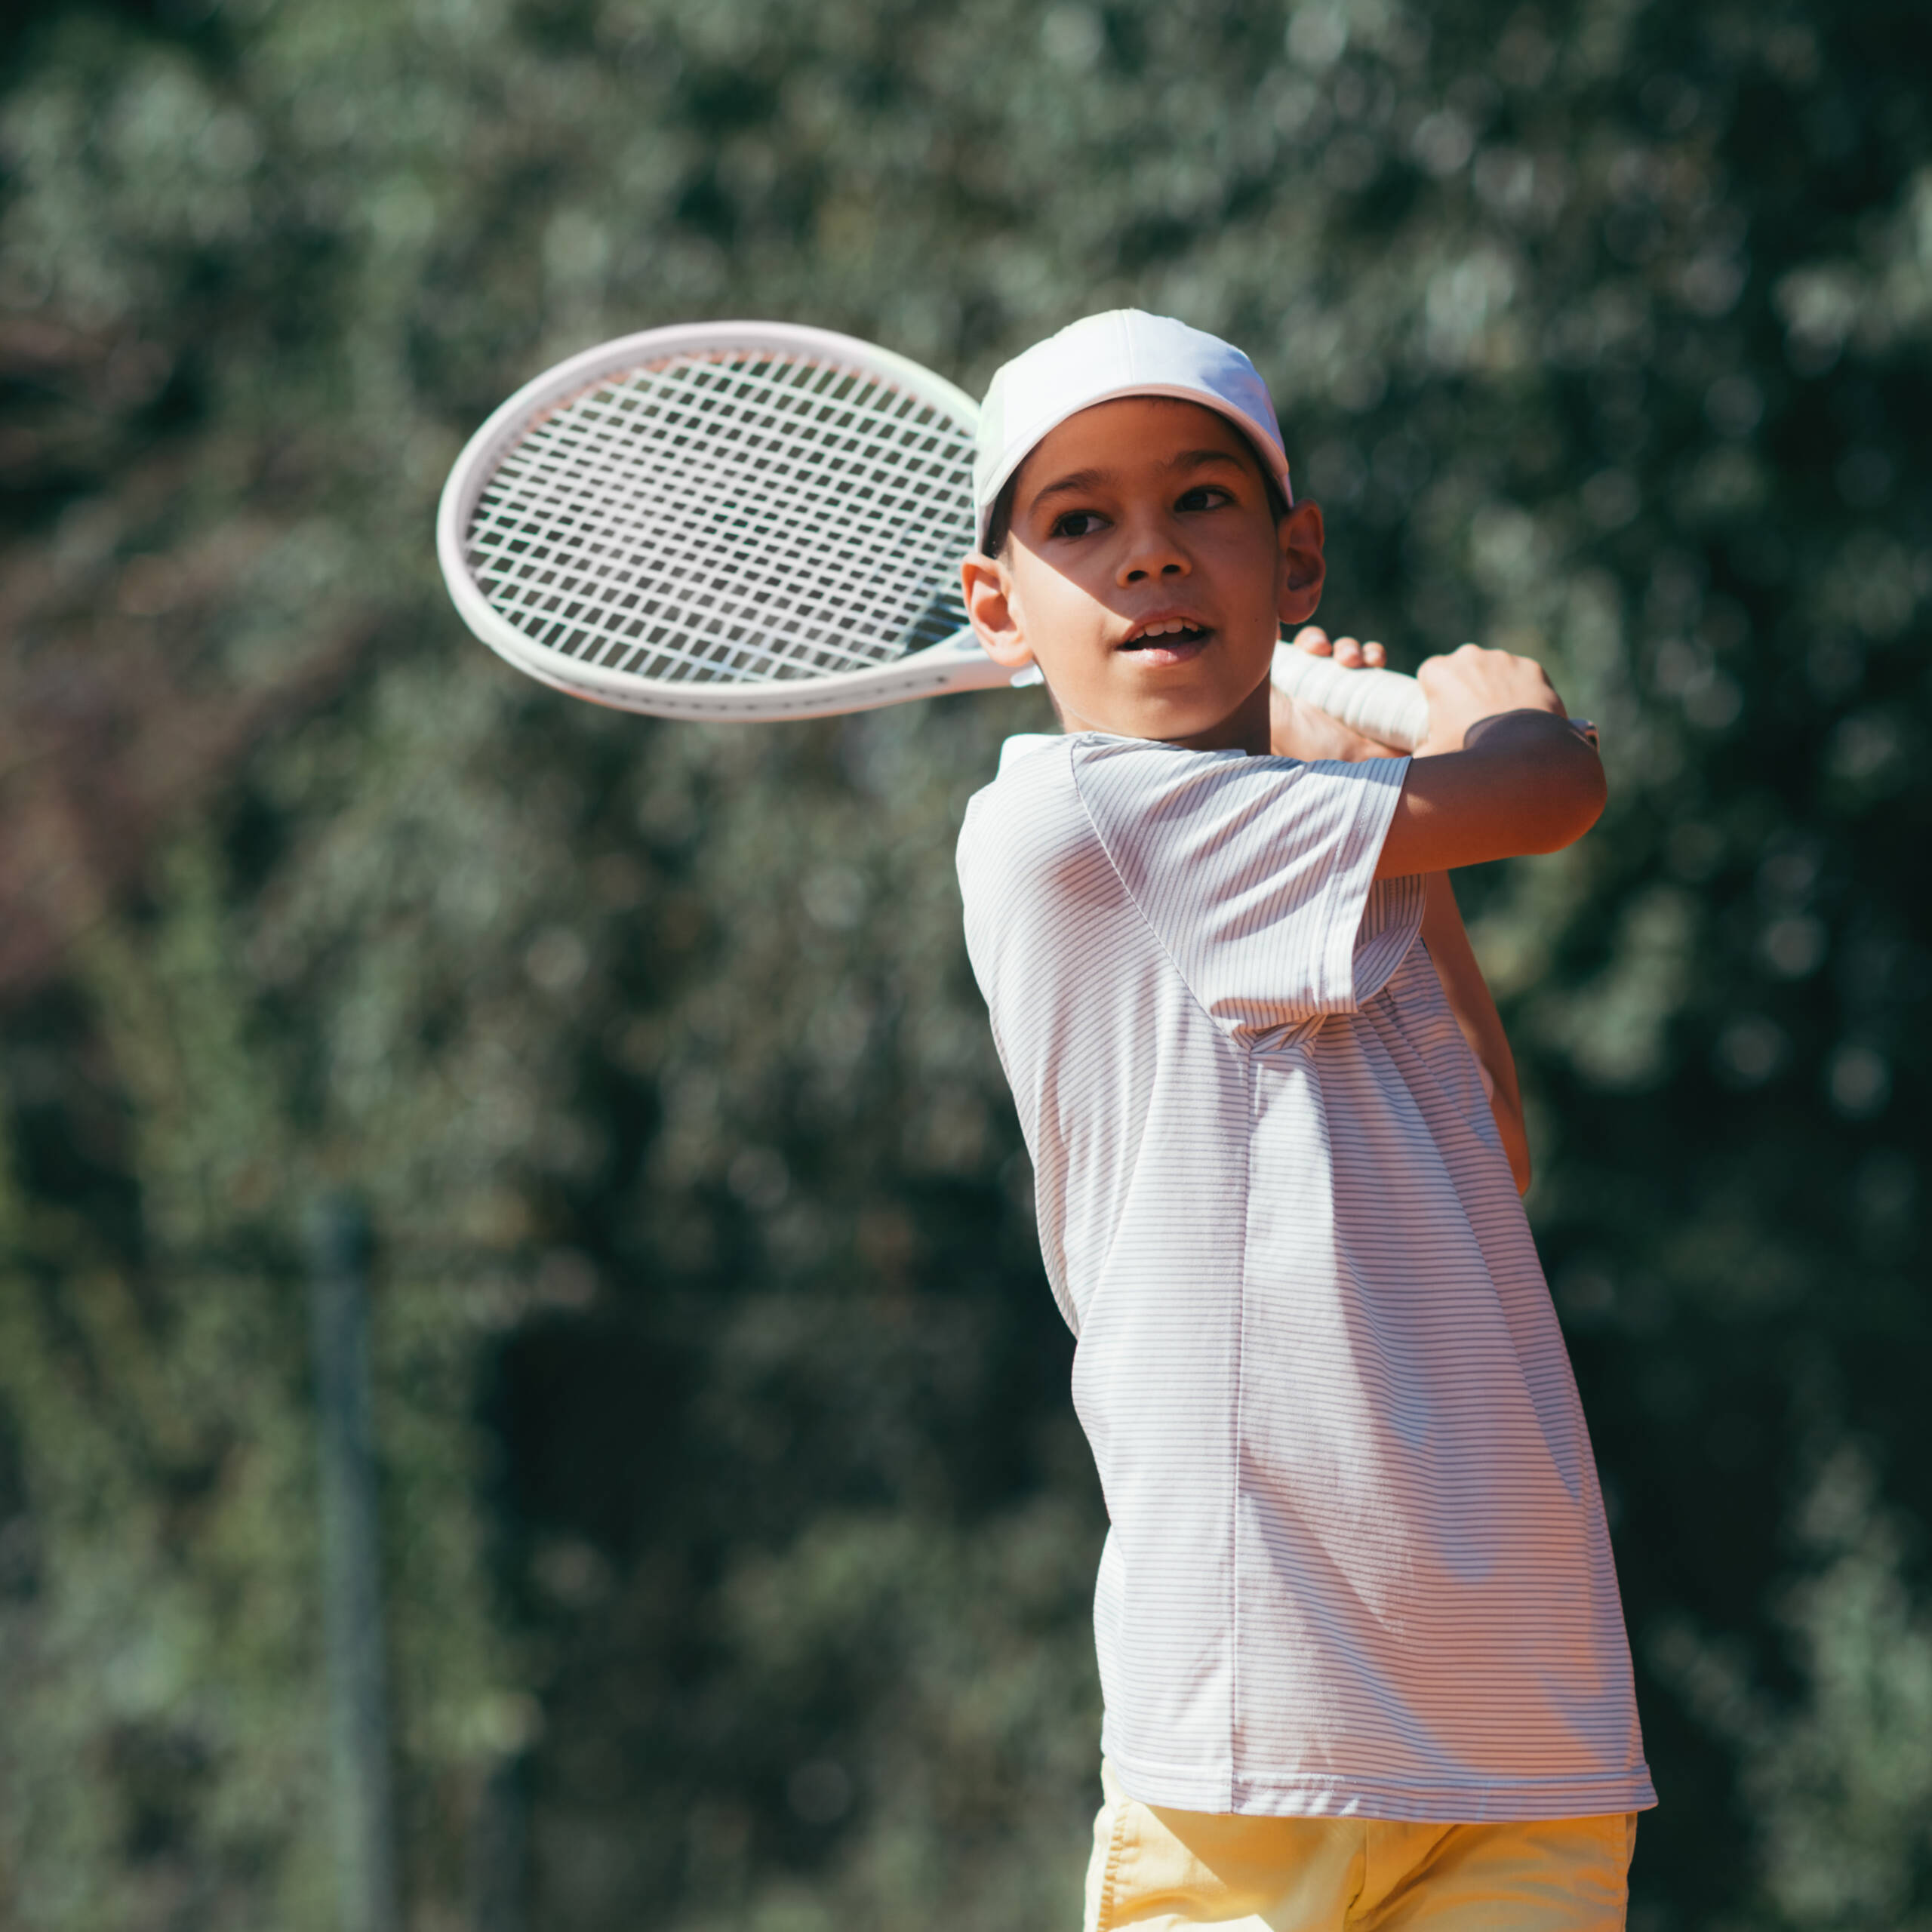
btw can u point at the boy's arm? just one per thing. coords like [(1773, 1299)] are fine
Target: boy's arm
[(1502, 774), (1469, 1001)]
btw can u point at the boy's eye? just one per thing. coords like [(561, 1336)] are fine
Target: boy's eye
[(1076, 523), (1203, 497)]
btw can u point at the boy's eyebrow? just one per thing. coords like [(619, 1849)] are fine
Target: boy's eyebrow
[(1076, 480)]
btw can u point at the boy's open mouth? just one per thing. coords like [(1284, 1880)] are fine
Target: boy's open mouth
[(1168, 637)]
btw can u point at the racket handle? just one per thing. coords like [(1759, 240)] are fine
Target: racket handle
[(1382, 705)]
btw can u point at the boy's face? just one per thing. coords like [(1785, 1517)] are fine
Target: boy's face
[(1147, 576)]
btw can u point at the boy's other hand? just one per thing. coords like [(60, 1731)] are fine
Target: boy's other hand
[(1470, 685), (1301, 731)]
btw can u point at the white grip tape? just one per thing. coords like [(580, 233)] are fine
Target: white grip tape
[(1382, 705)]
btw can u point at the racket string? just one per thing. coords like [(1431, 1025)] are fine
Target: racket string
[(747, 515)]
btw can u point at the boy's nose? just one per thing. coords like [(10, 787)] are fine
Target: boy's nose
[(1153, 553)]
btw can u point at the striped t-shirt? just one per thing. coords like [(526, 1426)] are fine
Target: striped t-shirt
[(1358, 1562)]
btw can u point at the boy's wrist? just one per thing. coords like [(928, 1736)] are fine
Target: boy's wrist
[(1497, 730)]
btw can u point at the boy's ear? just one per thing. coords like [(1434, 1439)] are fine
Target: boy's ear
[(1302, 570), (988, 594)]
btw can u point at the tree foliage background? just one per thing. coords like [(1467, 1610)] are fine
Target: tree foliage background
[(738, 1537)]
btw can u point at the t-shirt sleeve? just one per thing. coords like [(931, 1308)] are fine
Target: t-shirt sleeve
[(1257, 875)]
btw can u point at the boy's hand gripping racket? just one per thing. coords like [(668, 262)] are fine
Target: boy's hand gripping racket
[(752, 521)]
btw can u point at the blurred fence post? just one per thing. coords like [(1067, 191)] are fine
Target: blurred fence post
[(352, 1576), (497, 1851)]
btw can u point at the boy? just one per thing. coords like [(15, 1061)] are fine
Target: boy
[(1362, 1656)]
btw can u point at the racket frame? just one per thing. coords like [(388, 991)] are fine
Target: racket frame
[(957, 664)]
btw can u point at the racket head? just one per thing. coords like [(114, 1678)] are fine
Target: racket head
[(735, 519)]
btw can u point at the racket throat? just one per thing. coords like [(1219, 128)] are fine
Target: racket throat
[(964, 648)]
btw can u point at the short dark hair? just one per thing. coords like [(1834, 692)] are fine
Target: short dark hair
[(999, 523)]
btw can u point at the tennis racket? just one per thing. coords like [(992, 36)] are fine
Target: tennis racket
[(757, 521)]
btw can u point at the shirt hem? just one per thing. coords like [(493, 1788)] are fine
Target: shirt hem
[(1511, 1801)]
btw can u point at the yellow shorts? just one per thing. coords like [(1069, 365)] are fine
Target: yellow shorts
[(1155, 1869)]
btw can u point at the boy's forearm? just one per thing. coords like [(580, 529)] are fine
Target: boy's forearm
[(1524, 783), (1468, 997)]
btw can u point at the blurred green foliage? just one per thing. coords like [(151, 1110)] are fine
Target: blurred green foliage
[(739, 1537)]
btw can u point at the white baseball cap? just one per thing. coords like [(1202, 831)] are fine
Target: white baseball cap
[(1124, 352)]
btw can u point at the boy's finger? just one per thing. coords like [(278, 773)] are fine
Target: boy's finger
[(1313, 639), (1355, 654)]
